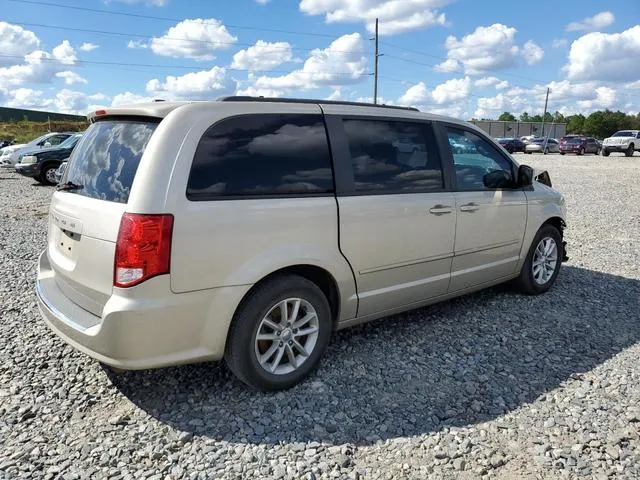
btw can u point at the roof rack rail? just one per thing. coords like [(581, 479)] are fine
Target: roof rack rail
[(246, 98)]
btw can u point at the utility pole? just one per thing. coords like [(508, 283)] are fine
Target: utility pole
[(546, 102), (375, 74)]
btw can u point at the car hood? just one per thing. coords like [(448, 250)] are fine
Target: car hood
[(48, 152), (11, 148)]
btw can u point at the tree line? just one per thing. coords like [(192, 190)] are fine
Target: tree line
[(600, 124)]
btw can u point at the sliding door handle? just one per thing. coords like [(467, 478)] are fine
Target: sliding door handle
[(440, 210), (470, 207)]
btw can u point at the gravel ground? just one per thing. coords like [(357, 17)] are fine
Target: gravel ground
[(493, 384)]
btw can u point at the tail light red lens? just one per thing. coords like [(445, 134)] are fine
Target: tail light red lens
[(143, 248)]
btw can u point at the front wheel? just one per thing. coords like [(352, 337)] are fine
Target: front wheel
[(629, 151), (581, 152), (279, 334), (48, 175), (605, 152), (543, 261)]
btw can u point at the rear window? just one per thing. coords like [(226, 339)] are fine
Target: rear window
[(262, 155), (105, 160)]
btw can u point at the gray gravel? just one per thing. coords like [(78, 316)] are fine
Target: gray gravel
[(492, 384)]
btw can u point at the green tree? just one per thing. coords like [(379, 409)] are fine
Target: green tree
[(575, 123), (525, 117), (507, 117)]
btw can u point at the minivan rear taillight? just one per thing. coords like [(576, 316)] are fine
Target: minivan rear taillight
[(143, 248)]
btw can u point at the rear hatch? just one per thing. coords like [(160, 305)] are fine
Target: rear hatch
[(85, 213)]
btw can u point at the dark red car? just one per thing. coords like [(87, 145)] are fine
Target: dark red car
[(579, 145)]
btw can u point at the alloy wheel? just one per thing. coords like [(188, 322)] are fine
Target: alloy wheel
[(545, 260)]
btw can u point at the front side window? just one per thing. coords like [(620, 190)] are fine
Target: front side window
[(392, 156), (269, 154), (474, 158), (57, 139)]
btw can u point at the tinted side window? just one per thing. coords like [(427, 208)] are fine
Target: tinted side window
[(274, 154), (57, 139), (391, 156), (473, 158)]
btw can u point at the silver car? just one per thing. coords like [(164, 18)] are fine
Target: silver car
[(542, 145), (250, 229)]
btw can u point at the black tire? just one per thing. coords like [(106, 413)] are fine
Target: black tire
[(581, 152), (605, 152), (44, 174), (526, 283), (629, 151), (241, 355), (561, 153)]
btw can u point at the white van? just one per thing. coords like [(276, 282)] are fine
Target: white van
[(250, 229)]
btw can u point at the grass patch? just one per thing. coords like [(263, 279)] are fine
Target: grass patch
[(25, 131)]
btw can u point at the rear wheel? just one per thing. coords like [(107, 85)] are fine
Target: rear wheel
[(561, 153), (543, 261), (279, 334), (581, 151), (629, 151), (48, 175)]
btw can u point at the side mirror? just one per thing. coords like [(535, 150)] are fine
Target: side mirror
[(525, 176), (497, 179)]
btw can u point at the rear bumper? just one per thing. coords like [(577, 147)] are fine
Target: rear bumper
[(28, 169), (156, 329)]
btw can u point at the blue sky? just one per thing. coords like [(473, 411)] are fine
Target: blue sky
[(459, 57)]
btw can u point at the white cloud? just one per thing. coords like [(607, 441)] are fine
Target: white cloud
[(605, 98), (597, 22), (334, 95), (252, 91), (532, 53), (137, 44), (38, 67), (88, 47), (453, 90), (262, 56), (415, 95), (128, 98), (70, 101), (448, 66), (26, 98), (71, 78), (16, 42), (203, 85), (485, 49), (193, 38), (633, 85), (343, 62), (607, 57), (559, 43), (396, 16), (491, 82), (262, 2)]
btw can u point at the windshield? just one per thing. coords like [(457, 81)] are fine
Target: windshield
[(624, 134), (106, 159), (70, 142), (574, 140), (36, 140)]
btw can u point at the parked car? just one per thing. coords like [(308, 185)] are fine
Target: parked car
[(627, 141), (527, 139), (580, 145), (250, 229), (6, 154), (60, 171), (42, 164), (512, 145), (45, 141), (543, 145)]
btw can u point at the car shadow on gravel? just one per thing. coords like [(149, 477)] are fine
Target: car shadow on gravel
[(461, 362)]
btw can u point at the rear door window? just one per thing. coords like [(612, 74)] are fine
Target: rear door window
[(105, 160), (262, 155)]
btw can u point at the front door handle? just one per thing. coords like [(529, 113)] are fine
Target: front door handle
[(470, 207), (440, 210)]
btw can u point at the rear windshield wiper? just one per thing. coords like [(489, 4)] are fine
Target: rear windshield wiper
[(69, 186)]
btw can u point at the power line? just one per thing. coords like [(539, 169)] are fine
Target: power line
[(180, 39), (188, 67), (166, 19)]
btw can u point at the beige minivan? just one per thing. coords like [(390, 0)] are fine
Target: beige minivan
[(250, 229)]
